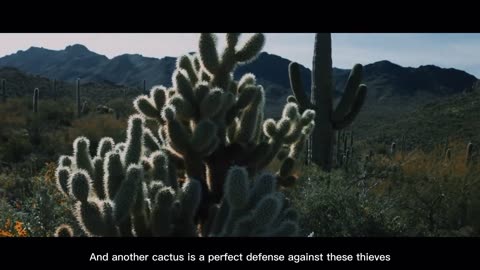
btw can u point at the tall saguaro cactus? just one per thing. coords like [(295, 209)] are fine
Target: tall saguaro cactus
[(36, 93), (328, 119)]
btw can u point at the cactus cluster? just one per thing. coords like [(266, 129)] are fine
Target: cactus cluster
[(130, 189), (202, 173), (209, 121), (328, 119), (252, 208)]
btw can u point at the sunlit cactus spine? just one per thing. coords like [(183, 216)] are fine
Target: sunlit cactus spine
[(64, 231), (328, 119)]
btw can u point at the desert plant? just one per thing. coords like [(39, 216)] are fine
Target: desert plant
[(209, 150), (328, 119), (36, 93)]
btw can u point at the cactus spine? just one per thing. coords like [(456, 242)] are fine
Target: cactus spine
[(328, 119)]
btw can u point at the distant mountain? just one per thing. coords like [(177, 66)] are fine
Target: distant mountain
[(392, 88), (76, 61)]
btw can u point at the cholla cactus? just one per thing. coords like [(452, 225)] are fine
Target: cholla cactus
[(252, 208), (211, 131), (129, 190), (210, 122)]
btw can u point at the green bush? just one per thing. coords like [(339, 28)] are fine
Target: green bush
[(330, 204)]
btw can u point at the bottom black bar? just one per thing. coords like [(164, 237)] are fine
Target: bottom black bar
[(252, 251)]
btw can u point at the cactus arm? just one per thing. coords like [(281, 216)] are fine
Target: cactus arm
[(208, 53), (297, 87), (356, 107), (253, 47), (350, 94)]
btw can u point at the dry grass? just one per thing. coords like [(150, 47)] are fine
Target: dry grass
[(95, 127)]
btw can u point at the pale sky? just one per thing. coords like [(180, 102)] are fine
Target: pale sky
[(460, 51)]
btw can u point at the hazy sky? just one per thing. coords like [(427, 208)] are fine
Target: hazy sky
[(461, 51)]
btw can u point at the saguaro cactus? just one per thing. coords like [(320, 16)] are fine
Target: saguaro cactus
[(205, 166), (328, 119), (36, 94)]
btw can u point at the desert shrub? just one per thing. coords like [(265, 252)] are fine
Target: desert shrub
[(32, 206), (121, 106), (331, 204), (15, 150), (434, 193)]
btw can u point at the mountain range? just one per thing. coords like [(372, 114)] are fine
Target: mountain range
[(77, 61), (393, 89)]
